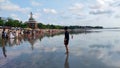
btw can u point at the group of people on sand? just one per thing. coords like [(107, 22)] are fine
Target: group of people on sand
[(11, 34)]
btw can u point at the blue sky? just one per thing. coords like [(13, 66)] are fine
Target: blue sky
[(64, 12)]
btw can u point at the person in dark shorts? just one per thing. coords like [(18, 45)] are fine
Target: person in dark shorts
[(66, 39)]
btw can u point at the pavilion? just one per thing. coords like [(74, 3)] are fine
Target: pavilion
[(31, 22)]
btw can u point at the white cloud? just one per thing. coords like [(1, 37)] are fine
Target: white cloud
[(52, 11), (116, 3), (117, 16), (102, 4), (102, 7), (78, 11), (34, 3), (105, 2), (2, 1), (37, 15), (101, 12), (77, 7), (14, 16), (95, 6), (8, 6)]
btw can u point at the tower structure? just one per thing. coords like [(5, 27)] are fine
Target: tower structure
[(31, 22)]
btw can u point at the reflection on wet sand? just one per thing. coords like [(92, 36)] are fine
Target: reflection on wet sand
[(66, 64), (92, 52), (26, 38), (31, 38), (3, 47)]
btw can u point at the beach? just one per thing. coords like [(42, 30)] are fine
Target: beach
[(95, 49)]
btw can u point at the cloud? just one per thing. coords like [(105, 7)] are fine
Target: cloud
[(2, 1), (102, 7), (34, 3), (51, 11), (102, 4), (8, 6), (101, 12), (14, 16), (95, 6), (77, 7), (116, 4), (117, 16), (77, 10), (37, 15)]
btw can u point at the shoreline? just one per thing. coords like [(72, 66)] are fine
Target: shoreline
[(47, 31), (43, 31)]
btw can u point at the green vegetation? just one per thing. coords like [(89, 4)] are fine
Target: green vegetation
[(1, 22), (13, 23), (48, 26), (9, 22)]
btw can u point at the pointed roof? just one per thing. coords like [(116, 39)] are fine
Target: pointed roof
[(31, 16)]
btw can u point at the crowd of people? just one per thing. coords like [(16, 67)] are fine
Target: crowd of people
[(11, 34), (16, 33), (31, 34), (15, 37)]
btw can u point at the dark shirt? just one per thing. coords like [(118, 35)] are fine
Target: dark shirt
[(3, 34), (66, 35)]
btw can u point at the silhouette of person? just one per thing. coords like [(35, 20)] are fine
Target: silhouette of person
[(66, 64), (72, 36), (3, 48), (66, 39), (4, 34)]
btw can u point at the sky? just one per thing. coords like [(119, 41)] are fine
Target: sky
[(104, 13)]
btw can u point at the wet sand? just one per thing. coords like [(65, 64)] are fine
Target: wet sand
[(96, 49)]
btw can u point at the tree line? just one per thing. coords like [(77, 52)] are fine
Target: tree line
[(9, 22)]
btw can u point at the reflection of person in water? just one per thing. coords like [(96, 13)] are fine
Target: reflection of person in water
[(72, 36), (11, 42), (66, 39), (3, 47), (17, 41), (66, 64)]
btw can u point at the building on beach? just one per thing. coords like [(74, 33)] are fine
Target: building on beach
[(31, 22)]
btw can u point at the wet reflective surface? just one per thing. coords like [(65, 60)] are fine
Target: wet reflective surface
[(94, 49)]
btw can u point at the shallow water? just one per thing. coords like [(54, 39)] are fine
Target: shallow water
[(94, 49)]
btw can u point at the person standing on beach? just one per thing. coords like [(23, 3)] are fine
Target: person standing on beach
[(66, 39), (4, 34)]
